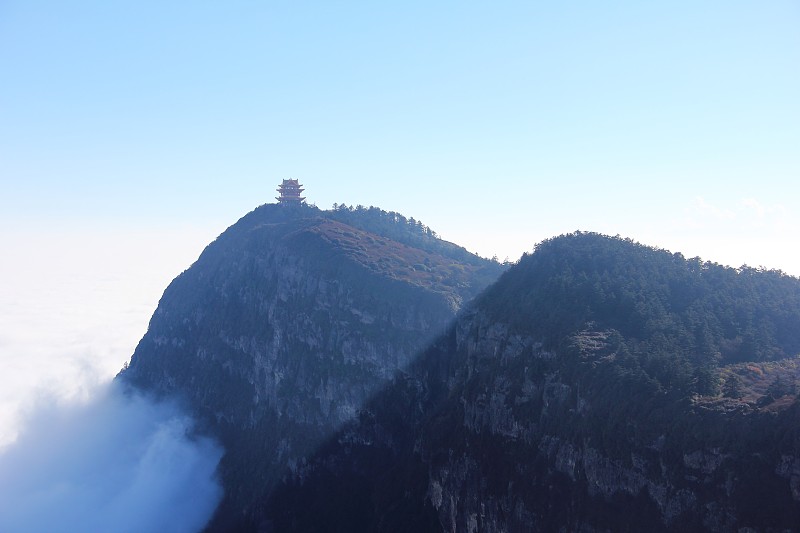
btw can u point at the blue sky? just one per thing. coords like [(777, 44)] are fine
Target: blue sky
[(132, 133), (546, 117)]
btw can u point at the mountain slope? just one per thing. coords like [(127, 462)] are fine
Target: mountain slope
[(598, 385), (287, 324), (584, 391), (590, 377)]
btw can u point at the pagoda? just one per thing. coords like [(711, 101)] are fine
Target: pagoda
[(290, 193)]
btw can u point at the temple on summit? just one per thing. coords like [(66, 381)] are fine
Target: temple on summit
[(290, 191)]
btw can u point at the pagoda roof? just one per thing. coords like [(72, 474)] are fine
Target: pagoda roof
[(290, 190), (290, 198)]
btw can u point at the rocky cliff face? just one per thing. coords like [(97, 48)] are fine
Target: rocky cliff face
[(534, 451), (284, 328), (597, 386), (505, 426)]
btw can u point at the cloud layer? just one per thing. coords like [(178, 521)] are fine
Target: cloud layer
[(119, 462)]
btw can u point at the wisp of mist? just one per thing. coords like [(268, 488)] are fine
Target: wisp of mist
[(120, 462)]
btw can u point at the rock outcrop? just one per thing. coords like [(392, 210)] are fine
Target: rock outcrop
[(283, 329)]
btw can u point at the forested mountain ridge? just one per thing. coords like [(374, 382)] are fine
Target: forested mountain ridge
[(406, 230), (613, 364), (587, 390), (681, 318)]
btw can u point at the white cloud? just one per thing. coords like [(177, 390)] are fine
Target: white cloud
[(772, 216), (735, 231), (756, 206), (702, 213), (73, 304), (117, 462), (75, 453), (746, 214)]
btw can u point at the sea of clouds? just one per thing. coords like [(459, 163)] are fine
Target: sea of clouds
[(78, 452), (118, 462)]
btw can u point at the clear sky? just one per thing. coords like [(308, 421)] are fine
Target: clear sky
[(132, 133)]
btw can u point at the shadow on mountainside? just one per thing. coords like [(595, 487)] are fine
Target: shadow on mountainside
[(502, 426)]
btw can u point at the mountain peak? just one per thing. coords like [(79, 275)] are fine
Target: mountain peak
[(598, 384), (289, 322)]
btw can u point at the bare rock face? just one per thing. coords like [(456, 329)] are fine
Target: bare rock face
[(283, 329)]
